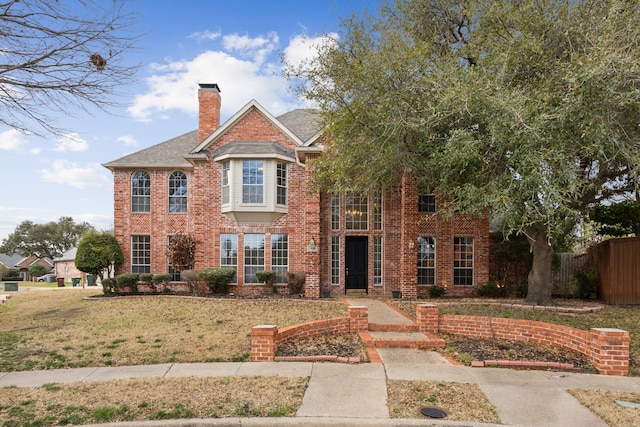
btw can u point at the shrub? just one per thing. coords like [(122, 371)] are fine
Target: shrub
[(218, 279), (295, 281), (437, 291), (108, 286), (491, 289), (161, 279), (522, 290), (129, 280), (146, 277), (37, 270), (268, 277)]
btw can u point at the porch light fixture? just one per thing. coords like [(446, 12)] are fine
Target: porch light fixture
[(411, 244)]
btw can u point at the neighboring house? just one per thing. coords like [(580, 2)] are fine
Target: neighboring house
[(24, 264), (65, 266), (241, 189), (10, 261)]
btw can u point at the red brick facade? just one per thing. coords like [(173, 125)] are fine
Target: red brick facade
[(321, 242)]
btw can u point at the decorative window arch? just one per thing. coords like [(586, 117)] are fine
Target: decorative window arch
[(140, 192), (178, 192)]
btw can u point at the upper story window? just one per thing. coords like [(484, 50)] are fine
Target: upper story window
[(427, 203), (356, 213), (252, 181), (140, 192), (281, 183), (178, 192), (226, 182)]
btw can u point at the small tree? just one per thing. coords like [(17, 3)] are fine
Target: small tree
[(37, 270), (181, 251), (99, 253)]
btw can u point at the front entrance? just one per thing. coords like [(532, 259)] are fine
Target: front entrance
[(356, 250)]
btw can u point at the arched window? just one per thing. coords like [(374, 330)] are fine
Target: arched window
[(140, 192), (178, 192)]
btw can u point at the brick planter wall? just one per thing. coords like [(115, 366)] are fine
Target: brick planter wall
[(606, 348), (265, 338)]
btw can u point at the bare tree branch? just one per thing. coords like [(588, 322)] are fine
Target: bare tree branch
[(58, 56)]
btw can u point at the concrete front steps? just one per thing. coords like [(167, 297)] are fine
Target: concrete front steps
[(402, 336)]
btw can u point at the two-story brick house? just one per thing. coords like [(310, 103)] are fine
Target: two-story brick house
[(241, 189)]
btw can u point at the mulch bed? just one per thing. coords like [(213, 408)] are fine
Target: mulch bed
[(458, 347), (496, 349)]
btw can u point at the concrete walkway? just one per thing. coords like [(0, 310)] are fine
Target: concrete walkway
[(356, 395)]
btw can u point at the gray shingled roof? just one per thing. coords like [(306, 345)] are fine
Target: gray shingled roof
[(304, 123), (257, 148), (166, 154)]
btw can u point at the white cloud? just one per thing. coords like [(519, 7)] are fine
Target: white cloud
[(36, 150), (301, 48), (258, 48), (127, 140), (71, 142), (205, 35), (65, 172), (11, 140), (245, 68)]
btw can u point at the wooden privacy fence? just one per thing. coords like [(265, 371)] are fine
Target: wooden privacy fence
[(619, 270), (563, 277)]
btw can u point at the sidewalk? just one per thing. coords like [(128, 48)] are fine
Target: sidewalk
[(355, 395)]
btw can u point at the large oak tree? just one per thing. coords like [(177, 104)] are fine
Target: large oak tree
[(527, 108), (50, 240)]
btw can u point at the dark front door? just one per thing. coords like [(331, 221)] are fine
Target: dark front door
[(356, 262)]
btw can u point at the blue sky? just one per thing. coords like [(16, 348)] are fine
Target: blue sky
[(235, 44)]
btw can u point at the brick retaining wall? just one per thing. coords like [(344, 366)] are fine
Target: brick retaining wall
[(265, 338), (606, 348)]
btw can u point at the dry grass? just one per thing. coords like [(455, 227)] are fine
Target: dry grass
[(603, 404), (153, 398), (461, 402), (60, 328)]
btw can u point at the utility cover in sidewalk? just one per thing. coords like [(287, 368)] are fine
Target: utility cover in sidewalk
[(433, 412)]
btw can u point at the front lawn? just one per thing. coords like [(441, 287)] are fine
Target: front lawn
[(62, 329)]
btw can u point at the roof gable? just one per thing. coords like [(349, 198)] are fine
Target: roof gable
[(252, 105)]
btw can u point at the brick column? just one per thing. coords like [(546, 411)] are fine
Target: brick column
[(263, 343), (312, 234), (408, 236), (610, 350), (427, 318), (358, 318)]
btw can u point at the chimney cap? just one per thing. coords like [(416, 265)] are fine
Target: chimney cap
[(213, 86)]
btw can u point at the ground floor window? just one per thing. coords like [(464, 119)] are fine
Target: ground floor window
[(140, 254), (426, 260), (253, 256), (229, 251), (377, 260), (280, 256), (335, 260), (463, 261)]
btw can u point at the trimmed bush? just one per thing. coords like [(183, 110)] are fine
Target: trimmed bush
[(218, 279), (146, 277), (268, 277), (128, 280), (437, 291), (295, 281), (491, 289), (161, 278), (109, 286)]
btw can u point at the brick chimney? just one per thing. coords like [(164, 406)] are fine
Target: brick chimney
[(209, 110)]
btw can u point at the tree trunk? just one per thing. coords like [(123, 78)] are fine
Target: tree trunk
[(539, 292)]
